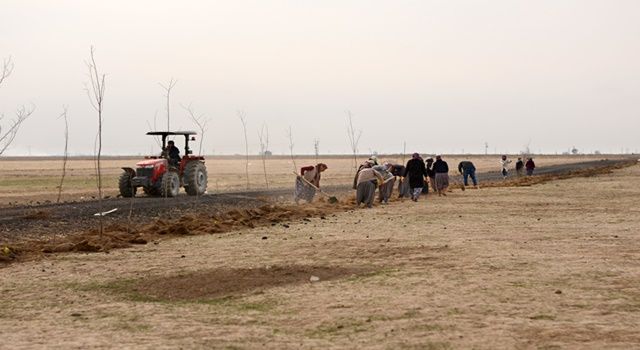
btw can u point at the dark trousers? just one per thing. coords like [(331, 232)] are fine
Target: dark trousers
[(365, 193), (472, 174)]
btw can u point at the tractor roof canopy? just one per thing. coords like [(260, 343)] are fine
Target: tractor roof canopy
[(166, 133)]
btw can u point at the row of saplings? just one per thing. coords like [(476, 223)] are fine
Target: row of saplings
[(165, 174)]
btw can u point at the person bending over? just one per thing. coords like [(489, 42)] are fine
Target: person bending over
[(467, 169)]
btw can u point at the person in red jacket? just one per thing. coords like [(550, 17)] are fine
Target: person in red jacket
[(530, 166)]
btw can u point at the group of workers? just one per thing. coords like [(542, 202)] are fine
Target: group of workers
[(530, 166), (413, 179)]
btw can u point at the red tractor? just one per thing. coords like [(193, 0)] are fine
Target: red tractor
[(164, 175)]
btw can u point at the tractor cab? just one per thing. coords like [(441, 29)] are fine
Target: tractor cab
[(188, 136), (165, 174), (173, 158)]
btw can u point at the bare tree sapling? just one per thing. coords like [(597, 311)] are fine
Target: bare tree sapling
[(8, 132), (168, 89), (96, 97), (263, 137), (243, 119), (65, 155), (316, 149), (293, 159), (200, 120), (7, 69), (155, 128), (354, 139)]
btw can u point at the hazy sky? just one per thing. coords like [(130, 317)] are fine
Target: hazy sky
[(444, 76)]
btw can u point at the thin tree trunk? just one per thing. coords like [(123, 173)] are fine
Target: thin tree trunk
[(65, 156), (243, 119)]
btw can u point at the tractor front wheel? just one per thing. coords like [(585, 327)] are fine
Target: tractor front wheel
[(170, 184), (195, 178), (124, 183)]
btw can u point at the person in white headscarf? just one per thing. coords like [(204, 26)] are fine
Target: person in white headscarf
[(366, 183)]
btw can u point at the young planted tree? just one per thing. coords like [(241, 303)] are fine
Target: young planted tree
[(316, 149), (155, 128), (168, 89), (293, 160), (200, 120), (8, 132), (96, 97), (263, 137), (7, 69), (243, 119), (404, 151), (354, 138), (65, 155)]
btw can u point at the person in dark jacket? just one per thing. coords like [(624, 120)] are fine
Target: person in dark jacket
[(519, 167), (415, 171), (441, 170), (530, 166), (399, 171), (172, 153), (467, 169), (431, 175)]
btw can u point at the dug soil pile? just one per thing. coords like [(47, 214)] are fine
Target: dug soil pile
[(121, 236)]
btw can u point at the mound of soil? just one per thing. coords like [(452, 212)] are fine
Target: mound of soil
[(546, 177), (122, 236), (233, 219), (219, 283)]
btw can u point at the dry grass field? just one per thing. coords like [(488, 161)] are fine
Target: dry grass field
[(550, 266), (30, 180)]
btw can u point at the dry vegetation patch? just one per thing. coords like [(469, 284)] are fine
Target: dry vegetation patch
[(209, 285)]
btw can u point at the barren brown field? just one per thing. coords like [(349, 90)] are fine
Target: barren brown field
[(31, 180), (548, 266)]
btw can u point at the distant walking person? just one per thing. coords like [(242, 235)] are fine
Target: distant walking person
[(531, 166), (431, 175), (368, 180), (504, 162), (416, 171), (441, 169), (520, 167), (467, 169)]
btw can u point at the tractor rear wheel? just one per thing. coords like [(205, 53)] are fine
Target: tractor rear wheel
[(170, 184), (124, 183), (195, 178)]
